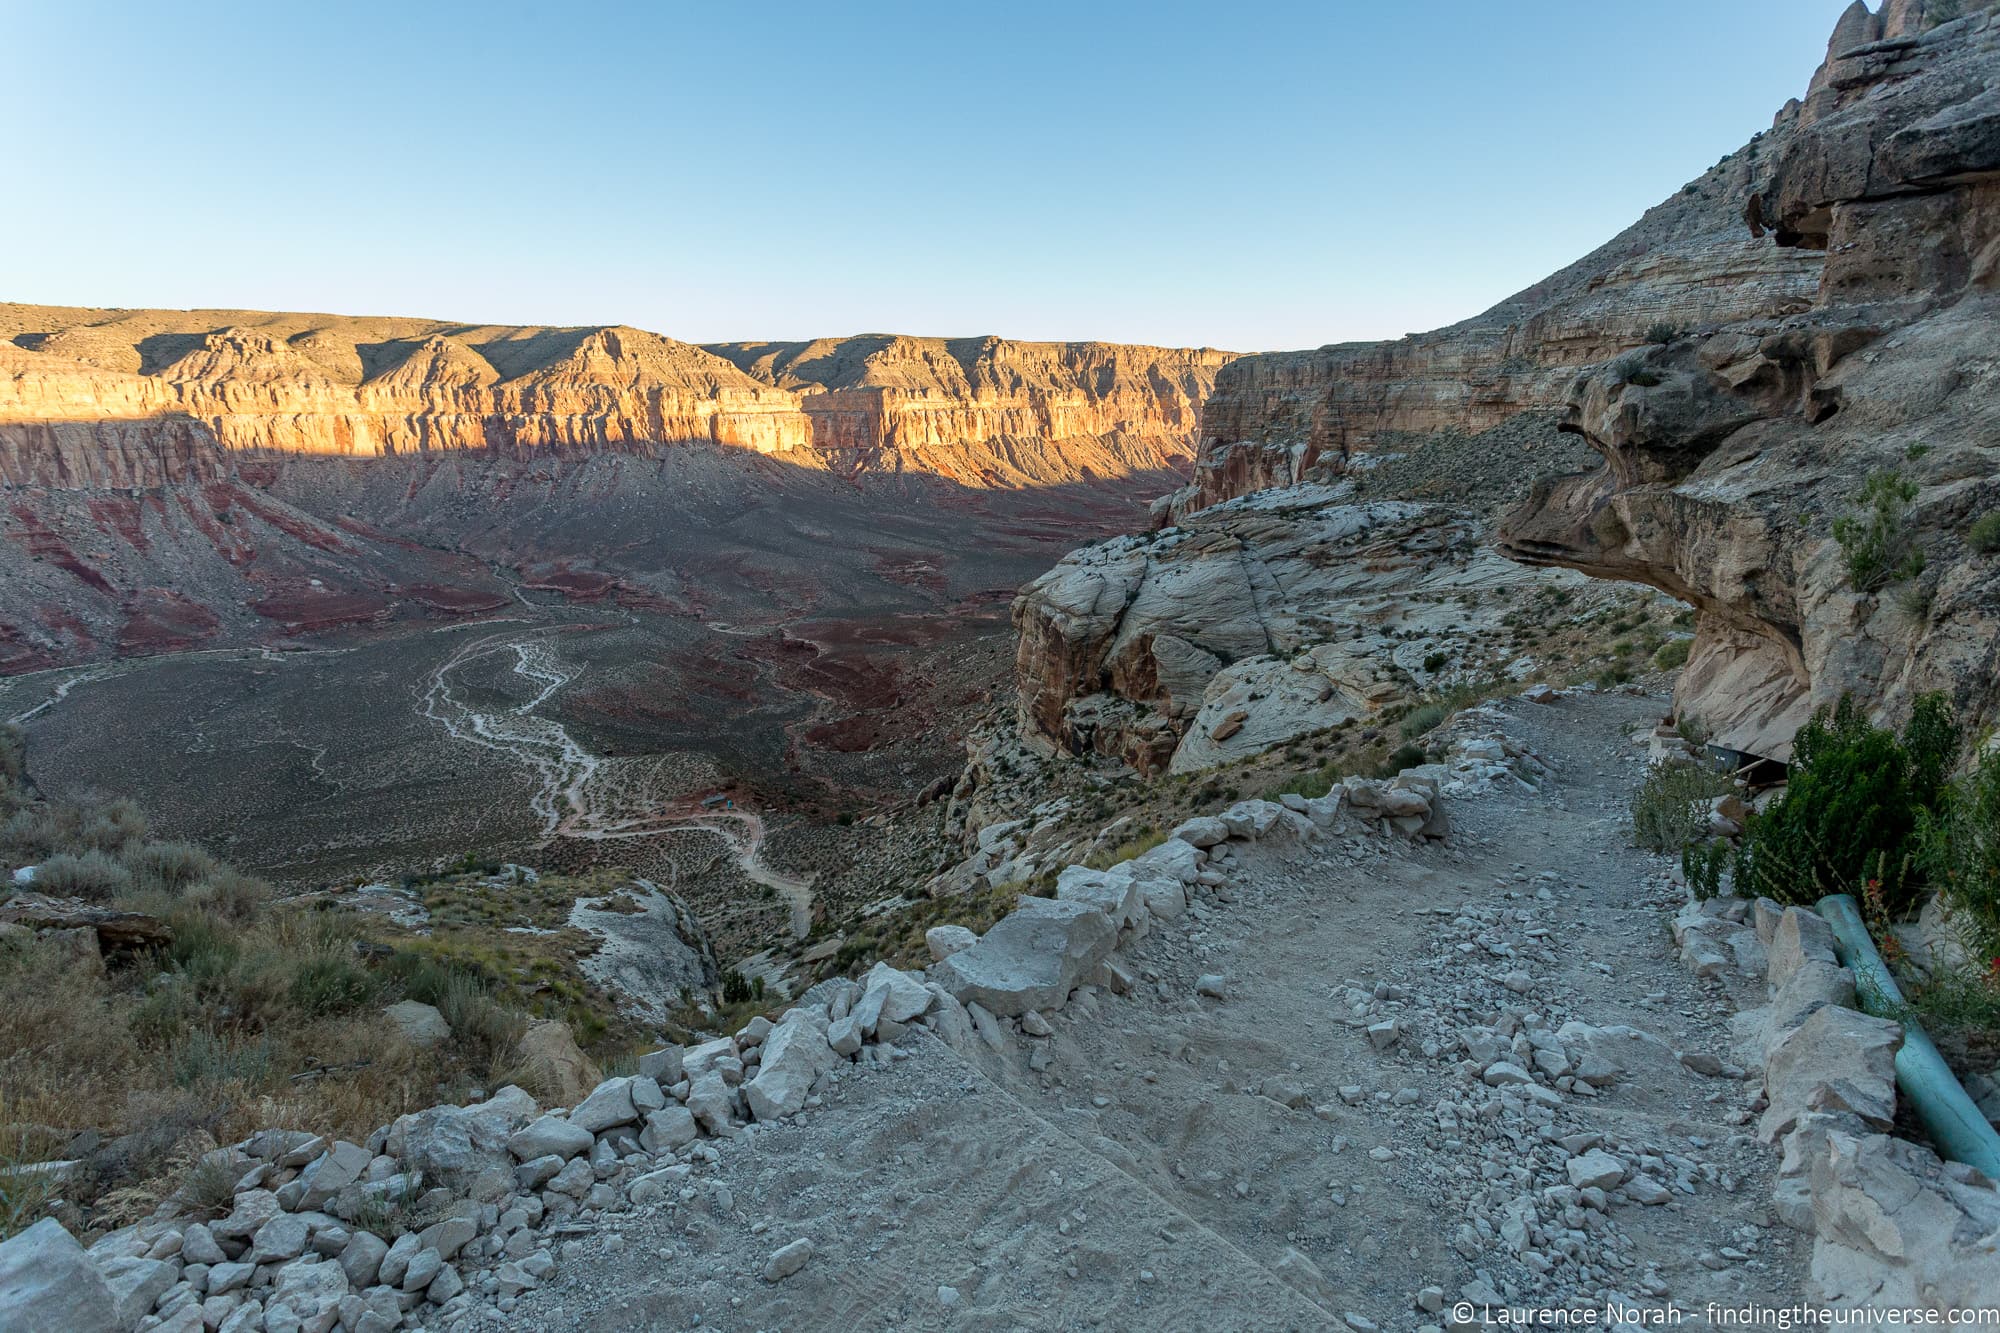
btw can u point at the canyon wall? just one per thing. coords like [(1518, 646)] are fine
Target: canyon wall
[(140, 398), (1688, 263), (176, 479), (1729, 456), (990, 411)]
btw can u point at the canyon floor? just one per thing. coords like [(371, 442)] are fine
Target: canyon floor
[(1169, 1160)]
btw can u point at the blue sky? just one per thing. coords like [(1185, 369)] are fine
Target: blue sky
[(1244, 176)]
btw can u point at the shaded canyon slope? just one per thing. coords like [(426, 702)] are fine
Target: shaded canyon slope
[(1730, 455)]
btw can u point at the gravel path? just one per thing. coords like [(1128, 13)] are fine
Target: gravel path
[(1169, 1159)]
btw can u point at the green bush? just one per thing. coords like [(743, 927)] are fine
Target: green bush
[(1702, 865), (1958, 850), (1673, 654), (1405, 756), (1875, 539), (1851, 807), (1984, 534), (1670, 809), (1423, 719), (93, 876), (1661, 332)]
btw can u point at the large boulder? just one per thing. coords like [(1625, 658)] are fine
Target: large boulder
[(1800, 937), (1837, 1060), (1898, 1229), (888, 994), (1175, 858), (1031, 959), (553, 1065), (114, 927), (422, 1025), (464, 1147), (1114, 892), (795, 1055), (1202, 831), (48, 1282), (608, 1106)]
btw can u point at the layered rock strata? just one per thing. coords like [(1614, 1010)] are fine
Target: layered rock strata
[(989, 411), (1731, 455), (133, 399)]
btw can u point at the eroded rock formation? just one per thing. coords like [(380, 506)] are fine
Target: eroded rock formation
[(1257, 620), (1730, 455), (1287, 416), (989, 411)]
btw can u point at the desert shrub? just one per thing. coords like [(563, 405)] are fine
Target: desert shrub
[(1661, 332), (1958, 850), (735, 987), (330, 983), (204, 950), (113, 826), (1404, 756), (484, 1029), (1984, 534), (39, 830), (1144, 841), (231, 895), (1875, 538), (1670, 809), (169, 867), (24, 1192), (93, 876), (1423, 719), (210, 1185), (206, 1061), (1673, 654), (13, 756), (1851, 807)]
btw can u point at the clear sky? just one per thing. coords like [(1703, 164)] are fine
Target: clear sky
[(1242, 175)]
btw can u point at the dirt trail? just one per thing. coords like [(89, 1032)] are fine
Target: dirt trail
[(580, 794), (1142, 1169)]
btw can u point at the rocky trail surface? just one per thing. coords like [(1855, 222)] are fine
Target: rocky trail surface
[(1292, 1120)]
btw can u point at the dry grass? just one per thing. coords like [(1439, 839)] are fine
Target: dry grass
[(259, 1014)]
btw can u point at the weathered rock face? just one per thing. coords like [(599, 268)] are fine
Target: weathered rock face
[(1256, 620), (1729, 455), (146, 398), (1288, 416), (988, 411)]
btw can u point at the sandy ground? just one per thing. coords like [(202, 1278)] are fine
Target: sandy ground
[(1130, 1172)]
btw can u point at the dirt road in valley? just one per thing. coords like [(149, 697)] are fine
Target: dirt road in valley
[(580, 794)]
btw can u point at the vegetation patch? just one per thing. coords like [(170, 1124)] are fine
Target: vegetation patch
[(1875, 537), (1852, 806)]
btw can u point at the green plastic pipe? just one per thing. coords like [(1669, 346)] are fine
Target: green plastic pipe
[(1955, 1125)]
